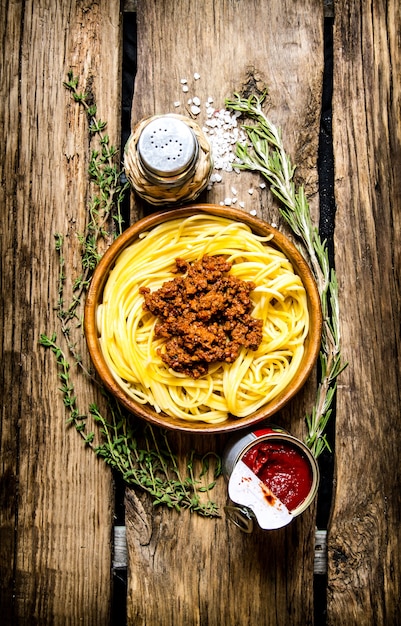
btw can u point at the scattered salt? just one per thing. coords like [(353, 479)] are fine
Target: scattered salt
[(223, 133), (250, 191), (253, 212), (262, 185), (221, 128)]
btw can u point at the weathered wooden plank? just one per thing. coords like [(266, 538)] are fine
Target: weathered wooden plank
[(56, 511), (11, 30), (364, 539), (185, 570), (236, 45)]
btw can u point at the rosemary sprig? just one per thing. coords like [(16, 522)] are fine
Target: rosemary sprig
[(267, 156), (142, 456)]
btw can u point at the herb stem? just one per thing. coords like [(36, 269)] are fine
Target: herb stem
[(138, 455), (266, 155)]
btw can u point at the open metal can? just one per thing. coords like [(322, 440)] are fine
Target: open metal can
[(272, 478)]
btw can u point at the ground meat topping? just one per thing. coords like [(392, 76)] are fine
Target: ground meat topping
[(204, 315)]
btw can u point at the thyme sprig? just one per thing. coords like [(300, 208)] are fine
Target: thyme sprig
[(266, 155), (104, 208), (154, 467), (105, 173), (77, 418), (142, 455)]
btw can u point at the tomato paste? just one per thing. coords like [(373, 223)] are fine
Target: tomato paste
[(283, 468)]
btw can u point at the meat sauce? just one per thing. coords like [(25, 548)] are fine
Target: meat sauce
[(204, 315), (283, 468)]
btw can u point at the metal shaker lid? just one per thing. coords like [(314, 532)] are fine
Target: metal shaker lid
[(167, 146)]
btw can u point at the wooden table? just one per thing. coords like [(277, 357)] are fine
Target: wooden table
[(58, 503)]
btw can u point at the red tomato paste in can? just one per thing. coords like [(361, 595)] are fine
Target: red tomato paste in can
[(283, 468)]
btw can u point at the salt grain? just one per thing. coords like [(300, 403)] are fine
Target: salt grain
[(223, 133), (221, 128), (196, 76), (216, 178), (253, 212)]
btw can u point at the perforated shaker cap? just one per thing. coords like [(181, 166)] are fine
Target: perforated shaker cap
[(167, 147)]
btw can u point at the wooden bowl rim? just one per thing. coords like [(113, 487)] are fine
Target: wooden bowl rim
[(259, 226)]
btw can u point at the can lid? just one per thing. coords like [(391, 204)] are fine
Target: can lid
[(241, 516), (167, 146), (245, 488)]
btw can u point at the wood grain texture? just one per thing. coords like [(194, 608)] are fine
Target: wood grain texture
[(56, 497), (364, 538), (184, 570), (236, 46)]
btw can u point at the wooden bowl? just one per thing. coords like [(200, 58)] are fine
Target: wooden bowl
[(94, 297)]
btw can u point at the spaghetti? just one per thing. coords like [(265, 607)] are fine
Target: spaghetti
[(127, 330)]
